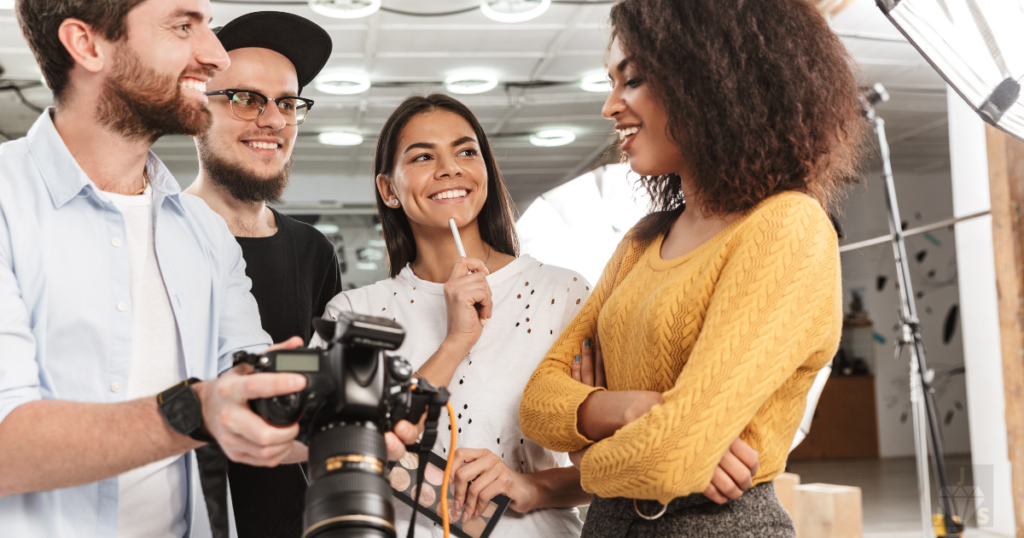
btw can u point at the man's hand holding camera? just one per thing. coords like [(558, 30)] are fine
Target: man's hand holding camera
[(246, 437)]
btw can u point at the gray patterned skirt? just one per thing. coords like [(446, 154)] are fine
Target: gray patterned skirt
[(757, 514)]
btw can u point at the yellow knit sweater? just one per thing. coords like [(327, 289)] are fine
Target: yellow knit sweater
[(732, 334)]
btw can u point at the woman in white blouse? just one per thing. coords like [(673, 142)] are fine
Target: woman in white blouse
[(478, 325)]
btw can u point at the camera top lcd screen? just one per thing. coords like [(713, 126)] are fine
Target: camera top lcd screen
[(298, 362)]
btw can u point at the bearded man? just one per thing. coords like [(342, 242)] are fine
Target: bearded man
[(244, 160), (122, 299)]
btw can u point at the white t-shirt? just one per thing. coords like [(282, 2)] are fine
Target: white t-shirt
[(151, 499), (533, 303)]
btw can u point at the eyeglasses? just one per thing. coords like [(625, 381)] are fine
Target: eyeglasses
[(249, 105)]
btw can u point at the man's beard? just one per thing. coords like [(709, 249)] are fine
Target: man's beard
[(140, 103), (242, 183)]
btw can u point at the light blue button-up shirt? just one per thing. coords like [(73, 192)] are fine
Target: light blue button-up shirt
[(65, 307)]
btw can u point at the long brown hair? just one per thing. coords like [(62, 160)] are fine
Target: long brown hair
[(496, 220), (760, 95)]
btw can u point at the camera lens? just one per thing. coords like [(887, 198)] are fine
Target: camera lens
[(348, 496)]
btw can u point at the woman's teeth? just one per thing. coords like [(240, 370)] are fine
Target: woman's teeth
[(194, 84), (262, 145), (454, 193), (623, 133)]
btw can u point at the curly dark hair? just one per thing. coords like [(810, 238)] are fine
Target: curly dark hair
[(761, 98)]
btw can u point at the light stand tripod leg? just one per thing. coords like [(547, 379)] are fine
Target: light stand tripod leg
[(926, 425), (919, 413)]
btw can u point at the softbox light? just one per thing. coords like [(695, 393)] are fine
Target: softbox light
[(977, 46)]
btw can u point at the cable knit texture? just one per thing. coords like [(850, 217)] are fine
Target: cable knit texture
[(732, 334)]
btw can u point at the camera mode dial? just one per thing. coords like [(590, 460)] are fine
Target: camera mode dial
[(400, 369)]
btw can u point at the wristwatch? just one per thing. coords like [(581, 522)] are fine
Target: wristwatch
[(183, 411)]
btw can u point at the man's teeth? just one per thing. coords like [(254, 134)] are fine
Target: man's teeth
[(454, 193), (262, 145), (623, 133), (194, 84)]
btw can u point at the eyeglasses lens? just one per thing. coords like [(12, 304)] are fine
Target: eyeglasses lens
[(293, 110), (247, 106)]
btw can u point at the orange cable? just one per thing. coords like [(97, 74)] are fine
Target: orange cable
[(448, 470)]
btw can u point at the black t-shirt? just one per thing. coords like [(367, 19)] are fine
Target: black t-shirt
[(294, 274)]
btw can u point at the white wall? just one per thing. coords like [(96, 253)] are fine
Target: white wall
[(978, 300), (923, 199)]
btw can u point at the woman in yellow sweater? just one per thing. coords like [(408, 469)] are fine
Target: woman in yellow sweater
[(718, 309)]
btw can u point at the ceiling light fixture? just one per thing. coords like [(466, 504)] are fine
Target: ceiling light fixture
[(550, 138), (596, 82), (345, 9), (514, 10), (342, 82), (327, 229), (340, 138), (471, 81)]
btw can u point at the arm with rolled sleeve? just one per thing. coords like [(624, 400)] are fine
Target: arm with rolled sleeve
[(42, 441), (240, 328), (19, 371)]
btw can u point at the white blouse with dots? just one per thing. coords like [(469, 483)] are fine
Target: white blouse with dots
[(533, 302)]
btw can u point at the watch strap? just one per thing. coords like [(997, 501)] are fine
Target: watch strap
[(182, 409)]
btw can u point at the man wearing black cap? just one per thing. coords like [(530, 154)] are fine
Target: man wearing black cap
[(244, 160)]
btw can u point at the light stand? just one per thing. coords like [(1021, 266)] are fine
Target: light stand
[(926, 424)]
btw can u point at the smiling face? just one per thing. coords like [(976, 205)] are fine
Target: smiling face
[(155, 83), (640, 119), (439, 171), (251, 158)]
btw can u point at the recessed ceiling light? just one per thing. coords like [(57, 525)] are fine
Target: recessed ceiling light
[(514, 10), (366, 266), (342, 82), (471, 81), (327, 229), (552, 137), (340, 138), (596, 82), (345, 9)]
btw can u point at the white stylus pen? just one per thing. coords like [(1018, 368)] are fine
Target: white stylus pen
[(458, 240)]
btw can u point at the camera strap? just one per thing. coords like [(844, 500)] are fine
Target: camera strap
[(426, 444)]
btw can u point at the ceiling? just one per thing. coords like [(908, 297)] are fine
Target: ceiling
[(561, 46)]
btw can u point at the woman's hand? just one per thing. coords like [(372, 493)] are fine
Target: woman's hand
[(588, 368), (490, 477), (604, 412), (734, 474), (468, 304)]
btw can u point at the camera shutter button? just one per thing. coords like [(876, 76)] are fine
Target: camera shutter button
[(400, 368)]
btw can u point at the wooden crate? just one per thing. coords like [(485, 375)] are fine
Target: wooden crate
[(784, 484), (827, 511)]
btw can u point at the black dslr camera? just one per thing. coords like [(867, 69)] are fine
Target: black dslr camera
[(354, 393)]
